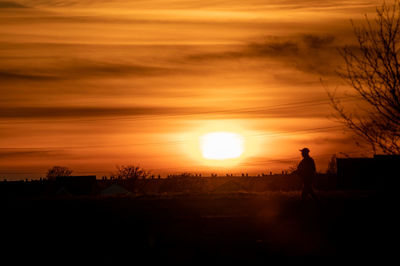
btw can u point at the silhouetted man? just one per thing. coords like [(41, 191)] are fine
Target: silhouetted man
[(306, 170)]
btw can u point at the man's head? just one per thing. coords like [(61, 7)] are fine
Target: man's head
[(305, 152)]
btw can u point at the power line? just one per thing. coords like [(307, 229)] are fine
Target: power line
[(277, 134), (270, 108)]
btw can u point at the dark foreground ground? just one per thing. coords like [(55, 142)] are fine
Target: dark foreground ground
[(205, 228)]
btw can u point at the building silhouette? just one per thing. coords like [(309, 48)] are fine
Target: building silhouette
[(377, 173)]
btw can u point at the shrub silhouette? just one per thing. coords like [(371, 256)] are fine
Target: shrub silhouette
[(130, 172), (57, 171)]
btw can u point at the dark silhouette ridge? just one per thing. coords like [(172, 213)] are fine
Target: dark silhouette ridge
[(373, 174), (204, 228)]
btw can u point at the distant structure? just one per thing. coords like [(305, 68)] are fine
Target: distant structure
[(378, 173), (77, 185), (114, 189)]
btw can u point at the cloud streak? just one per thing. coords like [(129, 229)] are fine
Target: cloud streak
[(83, 69), (84, 112), (308, 52), (9, 5), (13, 76), (31, 153)]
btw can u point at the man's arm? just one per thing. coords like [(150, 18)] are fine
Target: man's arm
[(297, 171)]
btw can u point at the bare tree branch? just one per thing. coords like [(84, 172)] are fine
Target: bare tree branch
[(130, 172), (373, 71)]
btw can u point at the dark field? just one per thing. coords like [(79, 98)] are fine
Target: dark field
[(204, 228)]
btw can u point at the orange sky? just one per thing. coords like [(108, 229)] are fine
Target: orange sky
[(93, 84)]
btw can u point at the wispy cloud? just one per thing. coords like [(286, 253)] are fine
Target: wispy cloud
[(12, 76), (10, 4), (64, 69), (268, 161), (84, 112), (31, 153), (307, 52)]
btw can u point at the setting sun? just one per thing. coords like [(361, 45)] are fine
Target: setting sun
[(221, 145), (152, 85)]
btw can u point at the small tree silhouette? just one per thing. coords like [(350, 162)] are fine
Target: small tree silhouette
[(332, 167), (130, 172), (57, 171)]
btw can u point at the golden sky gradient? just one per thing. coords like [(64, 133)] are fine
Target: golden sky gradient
[(91, 84)]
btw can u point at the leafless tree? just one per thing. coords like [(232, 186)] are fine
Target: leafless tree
[(130, 172), (57, 171), (372, 69)]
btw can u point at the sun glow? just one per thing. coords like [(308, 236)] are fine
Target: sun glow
[(221, 145)]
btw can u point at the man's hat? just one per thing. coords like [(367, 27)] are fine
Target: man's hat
[(305, 150)]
